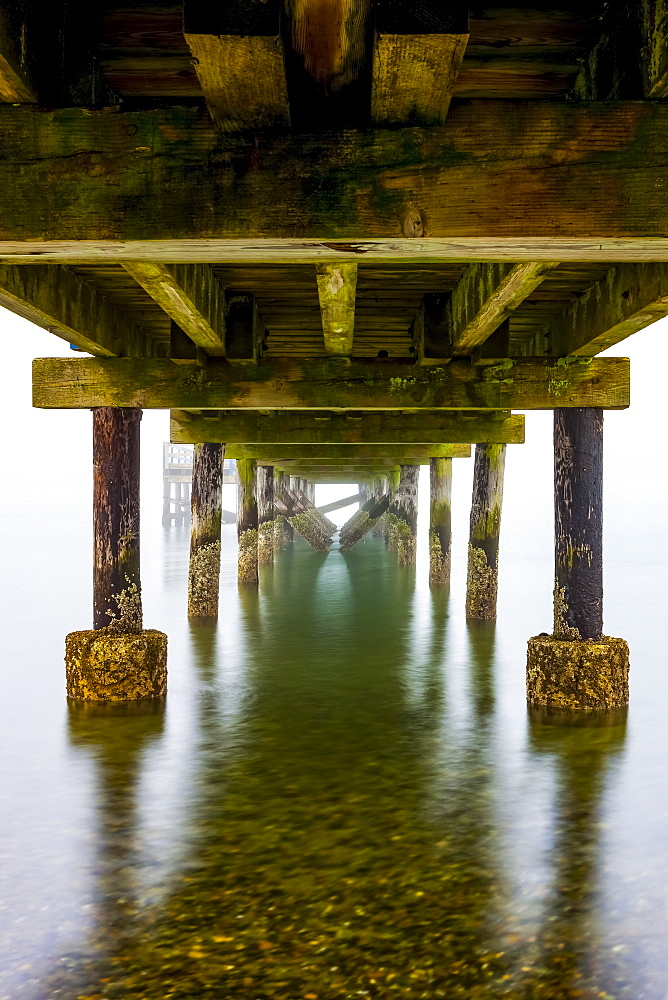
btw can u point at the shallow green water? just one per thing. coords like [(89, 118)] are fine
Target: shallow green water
[(343, 796)]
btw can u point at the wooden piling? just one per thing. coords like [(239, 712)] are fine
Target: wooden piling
[(578, 523), (283, 530), (578, 667), (393, 478), (206, 516), (266, 513), (485, 524), (380, 489), (440, 520), (116, 577), (402, 515), (247, 521)]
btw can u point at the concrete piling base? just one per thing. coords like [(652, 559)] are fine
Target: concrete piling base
[(572, 674), (102, 665)]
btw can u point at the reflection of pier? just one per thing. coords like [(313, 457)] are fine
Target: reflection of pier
[(177, 477)]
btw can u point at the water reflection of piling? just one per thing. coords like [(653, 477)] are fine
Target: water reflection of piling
[(566, 959)]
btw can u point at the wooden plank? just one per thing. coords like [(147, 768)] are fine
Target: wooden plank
[(324, 427), (191, 295), (629, 298), (56, 299), (238, 55), (157, 178), (340, 504), (414, 77), (486, 295), (345, 452), (18, 84), (522, 383), (337, 285)]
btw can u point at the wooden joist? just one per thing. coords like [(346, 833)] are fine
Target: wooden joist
[(337, 285), (350, 453), (524, 383), (314, 427), (629, 298), (501, 181), (17, 72), (340, 504), (325, 473), (55, 298), (238, 56), (191, 295), (418, 50), (486, 295)]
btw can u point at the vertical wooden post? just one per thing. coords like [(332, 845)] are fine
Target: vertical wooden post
[(393, 478), (578, 667), (283, 530), (485, 525), (206, 516), (578, 523), (247, 521), (402, 515), (116, 578), (381, 488), (266, 513), (440, 521)]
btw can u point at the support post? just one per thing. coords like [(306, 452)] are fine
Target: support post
[(118, 660), (247, 521), (380, 489), (283, 530), (402, 515), (577, 667), (440, 521), (393, 478), (266, 513), (482, 581), (205, 520)]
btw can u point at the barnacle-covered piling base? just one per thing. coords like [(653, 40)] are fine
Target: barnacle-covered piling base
[(574, 674), (105, 665)]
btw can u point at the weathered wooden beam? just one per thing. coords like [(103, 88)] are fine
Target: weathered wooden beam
[(304, 464), (326, 427), (431, 332), (244, 330), (440, 521), (55, 298), (486, 295), (162, 185), (365, 523), (337, 286), (417, 54), (190, 295), (326, 473), (339, 504), (482, 579), (18, 83), (205, 526), (247, 522), (346, 452), (523, 383), (629, 298), (238, 56)]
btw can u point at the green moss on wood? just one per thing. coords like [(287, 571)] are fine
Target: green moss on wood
[(203, 581), (481, 585), (103, 665), (568, 674)]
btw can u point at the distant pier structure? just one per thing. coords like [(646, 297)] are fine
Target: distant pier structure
[(177, 479)]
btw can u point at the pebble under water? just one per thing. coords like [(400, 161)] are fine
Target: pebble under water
[(343, 796)]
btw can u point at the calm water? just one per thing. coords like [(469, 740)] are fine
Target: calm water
[(343, 795)]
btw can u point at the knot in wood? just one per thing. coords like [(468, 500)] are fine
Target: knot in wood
[(413, 226)]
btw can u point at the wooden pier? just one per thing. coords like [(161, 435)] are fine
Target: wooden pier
[(177, 477), (417, 219)]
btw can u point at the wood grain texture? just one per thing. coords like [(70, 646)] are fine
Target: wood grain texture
[(578, 520), (243, 80), (628, 299), (56, 299), (525, 383), (311, 428), (18, 84), (414, 77), (440, 521), (531, 172), (486, 295), (190, 295), (337, 287)]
